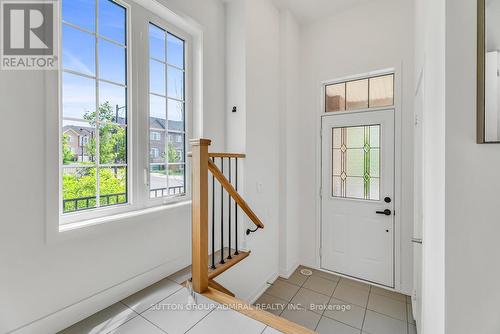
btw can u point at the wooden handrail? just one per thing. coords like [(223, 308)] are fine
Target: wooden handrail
[(234, 194), (202, 163), (227, 155), (222, 155)]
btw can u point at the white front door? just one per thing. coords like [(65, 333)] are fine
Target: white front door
[(357, 234)]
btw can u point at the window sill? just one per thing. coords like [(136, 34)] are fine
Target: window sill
[(121, 216)]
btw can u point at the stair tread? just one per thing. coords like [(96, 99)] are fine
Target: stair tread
[(228, 263)]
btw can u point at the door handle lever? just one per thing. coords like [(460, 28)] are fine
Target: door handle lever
[(386, 212)]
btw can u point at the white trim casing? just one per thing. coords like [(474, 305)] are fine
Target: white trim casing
[(397, 71)]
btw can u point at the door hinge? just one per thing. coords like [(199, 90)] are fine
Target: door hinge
[(320, 252), (320, 192)]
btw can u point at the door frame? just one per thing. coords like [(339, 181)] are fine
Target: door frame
[(396, 70)]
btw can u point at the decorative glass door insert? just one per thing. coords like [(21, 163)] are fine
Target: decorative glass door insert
[(356, 162)]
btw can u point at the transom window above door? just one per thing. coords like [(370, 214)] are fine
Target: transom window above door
[(373, 92)]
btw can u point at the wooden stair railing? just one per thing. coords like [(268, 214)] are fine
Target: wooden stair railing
[(203, 162), (203, 275), (234, 194), (199, 184)]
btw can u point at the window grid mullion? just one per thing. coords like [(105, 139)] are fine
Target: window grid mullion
[(167, 64), (97, 123), (166, 97), (167, 142), (96, 33), (95, 77)]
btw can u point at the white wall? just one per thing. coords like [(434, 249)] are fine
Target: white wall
[(260, 20), (370, 36), (472, 189), (289, 140), (38, 279), (430, 59), (236, 58)]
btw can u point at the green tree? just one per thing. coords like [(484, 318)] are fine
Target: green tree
[(112, 137), (68, 156), (82, 182), (173, 156)]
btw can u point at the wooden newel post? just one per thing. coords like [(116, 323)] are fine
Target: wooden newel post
[(199, 181)]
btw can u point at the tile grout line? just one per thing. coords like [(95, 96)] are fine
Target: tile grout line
[(141, 313), (206, 315), (366, 308), (114, 329), (387, 315), (303, 287), (170, 295), (329, 300), (152, 323), (370, 294), (286, 307)]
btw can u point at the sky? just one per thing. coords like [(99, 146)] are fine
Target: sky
[(79, 55)]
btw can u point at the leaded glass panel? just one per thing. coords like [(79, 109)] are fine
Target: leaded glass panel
[(356, 162)]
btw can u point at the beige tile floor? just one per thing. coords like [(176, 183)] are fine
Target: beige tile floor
[(354, 308), (164, 308), (330, 304)]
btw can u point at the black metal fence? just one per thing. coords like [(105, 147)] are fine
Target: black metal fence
[(171, 191), (85, 203)]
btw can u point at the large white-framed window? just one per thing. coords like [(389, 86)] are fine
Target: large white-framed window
[(167, 170), (109, 144), (94, 104)]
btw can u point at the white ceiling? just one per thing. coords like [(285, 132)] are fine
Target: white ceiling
[(309, 10)]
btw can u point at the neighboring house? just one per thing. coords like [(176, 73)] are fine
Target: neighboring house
[(157, 138), (78, 138)]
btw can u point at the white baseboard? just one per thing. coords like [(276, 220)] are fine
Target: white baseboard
[(84, 308), (258, 292), (286, 273)]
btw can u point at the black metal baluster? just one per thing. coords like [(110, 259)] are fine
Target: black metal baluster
[(213, 219), (229, 214), (222, 215), (236, 210)]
